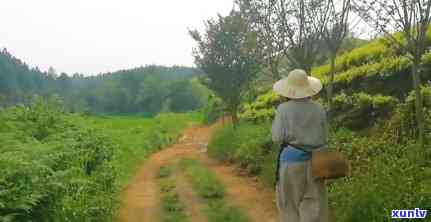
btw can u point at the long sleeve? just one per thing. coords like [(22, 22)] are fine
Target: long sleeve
[(278, 130)]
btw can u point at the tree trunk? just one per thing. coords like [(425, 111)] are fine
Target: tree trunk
[(330, 87), (418, 102), (274, 70), (234, 116)]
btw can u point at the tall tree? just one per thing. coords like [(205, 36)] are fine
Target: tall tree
[(228, 55), (404, 24), (271, 42), (336, 28), (288, 28)]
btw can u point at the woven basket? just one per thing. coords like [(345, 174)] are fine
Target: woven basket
[(328, 164)]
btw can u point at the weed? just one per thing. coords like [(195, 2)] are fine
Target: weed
[(211, 189), (173, 209), (203, 180)]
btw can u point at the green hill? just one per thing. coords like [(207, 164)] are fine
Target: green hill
[(149, 89)]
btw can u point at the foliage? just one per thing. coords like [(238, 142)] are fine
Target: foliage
[(53, 169), (149, 89), (227, 53), (57, 166), (403, 123), (350, 111), (212, 110), (247, 145), (138, 137), (263, 109), (379, 165), (372, 52)]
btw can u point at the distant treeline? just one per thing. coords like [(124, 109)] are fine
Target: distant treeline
[(150, 89)]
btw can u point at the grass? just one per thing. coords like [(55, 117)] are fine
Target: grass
[(137, 137), (173, 209), (204, 182), (208, 187), (248, 145)]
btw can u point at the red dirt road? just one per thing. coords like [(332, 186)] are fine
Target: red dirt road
[(141, 202)]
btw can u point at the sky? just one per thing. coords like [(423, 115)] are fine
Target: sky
[(98, 36)]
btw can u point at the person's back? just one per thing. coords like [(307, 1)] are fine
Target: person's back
[(300, 126), (302, 122)]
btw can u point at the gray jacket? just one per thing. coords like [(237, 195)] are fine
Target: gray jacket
[(301, 122)]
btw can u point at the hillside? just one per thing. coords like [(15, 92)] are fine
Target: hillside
[(150, 89)]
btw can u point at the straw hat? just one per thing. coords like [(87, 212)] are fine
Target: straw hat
[(298, 85)]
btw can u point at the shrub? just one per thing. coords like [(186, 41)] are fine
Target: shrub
[(403, 123), (212, 110), (261, 110), (247, 145), (53, 170), (369, 53), (350, 111)]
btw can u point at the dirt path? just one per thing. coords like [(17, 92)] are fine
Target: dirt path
[(141, 202)]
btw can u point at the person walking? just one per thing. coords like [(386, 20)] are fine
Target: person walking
[(300, 126)]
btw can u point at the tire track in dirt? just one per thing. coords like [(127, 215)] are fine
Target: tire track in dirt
[(141, 201), (194, 205)]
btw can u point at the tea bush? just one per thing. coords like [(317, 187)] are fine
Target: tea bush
[(403, 123), (52, 169), (262, 109), (369, 53), (350, 111)]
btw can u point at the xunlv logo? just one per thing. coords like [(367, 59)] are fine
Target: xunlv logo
[(416, 213)]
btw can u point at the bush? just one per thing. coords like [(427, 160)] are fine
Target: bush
[(385, 176), (247, 145), (52, 169), (261, 110), (403, 123), (370, 53), (212, 110), (350, 111)]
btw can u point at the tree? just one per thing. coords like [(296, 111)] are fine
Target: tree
[(335, 30), (271, 43), (52, 73), (404, 24), (288, 28), (228, 55)]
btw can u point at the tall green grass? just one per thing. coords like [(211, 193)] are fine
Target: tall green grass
[(136, 138)]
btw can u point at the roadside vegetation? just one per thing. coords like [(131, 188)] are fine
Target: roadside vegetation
[(208, 187), (57, 166), (138, 137), (373, 125)]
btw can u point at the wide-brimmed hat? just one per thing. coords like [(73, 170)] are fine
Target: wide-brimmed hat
[(298, 85)]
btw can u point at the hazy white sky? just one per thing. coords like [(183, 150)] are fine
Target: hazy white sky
[(95, 36)]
